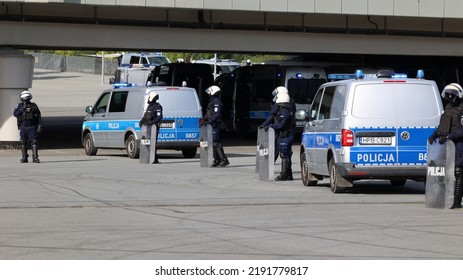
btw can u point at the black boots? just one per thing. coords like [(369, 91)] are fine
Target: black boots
[(216, 161), (286, 171), (220, 159), (35, 153), (458, 194), (24, 152)]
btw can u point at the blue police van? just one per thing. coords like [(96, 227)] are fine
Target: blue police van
[(113, 122), (369, 127)]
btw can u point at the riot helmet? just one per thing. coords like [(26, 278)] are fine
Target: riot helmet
[(25, 96), (452, 92), (277, 91), (213, 90), (152, 96), (282, 97)]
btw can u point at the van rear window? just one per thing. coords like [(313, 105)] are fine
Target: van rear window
[(410, 101)]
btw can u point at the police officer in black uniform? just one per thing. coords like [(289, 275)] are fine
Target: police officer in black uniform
[(451, 127), (284, 129), (29, 124), (214, 118), (274, 111), (153, 116)]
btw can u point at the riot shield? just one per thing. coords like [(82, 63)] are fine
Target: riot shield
[(206, 146), (266, 154), (440, 176), (148, 144)]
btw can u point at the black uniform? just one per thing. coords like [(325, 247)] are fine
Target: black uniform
[(153, 116), (451, 127), (29, 121), (284, 129), (214, 118)]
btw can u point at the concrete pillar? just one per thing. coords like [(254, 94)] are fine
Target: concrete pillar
[(16, 72)]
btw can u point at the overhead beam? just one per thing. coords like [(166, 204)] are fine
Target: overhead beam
[(33, 35)]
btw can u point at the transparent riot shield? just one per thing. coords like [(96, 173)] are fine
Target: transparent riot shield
[(440, 177), (266, 154), (206, 146), (148, 143)]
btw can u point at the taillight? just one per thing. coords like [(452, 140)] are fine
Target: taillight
[(347, 138), (200, 121)]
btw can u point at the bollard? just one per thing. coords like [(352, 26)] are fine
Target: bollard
[(148, 144), (206, 145), (266, 154), (440, 176)]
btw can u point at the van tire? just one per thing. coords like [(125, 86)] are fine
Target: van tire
[(89, 146), (189, 152), (132, 147), (306, 176), (399, 182), (335, 188)]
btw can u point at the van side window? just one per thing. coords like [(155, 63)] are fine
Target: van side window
[(102, 103), (314, 109), (118, 101), (337, 105), (135, 59), (327, 101)]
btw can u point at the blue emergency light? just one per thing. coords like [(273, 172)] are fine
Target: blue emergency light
[(124, 85), (420, 74), (299, 76), (341, 76)]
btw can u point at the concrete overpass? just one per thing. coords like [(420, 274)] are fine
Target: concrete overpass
[(430, 28)]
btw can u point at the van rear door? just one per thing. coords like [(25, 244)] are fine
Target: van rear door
[(392, 121)]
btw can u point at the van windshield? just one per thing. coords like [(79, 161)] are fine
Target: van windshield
[(389, 100), (184, 101)]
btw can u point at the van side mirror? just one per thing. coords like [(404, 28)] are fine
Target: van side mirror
[(89, 109), (111, 80), (301, 115)]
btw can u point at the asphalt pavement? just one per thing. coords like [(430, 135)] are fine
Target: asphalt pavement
[(72, 206)]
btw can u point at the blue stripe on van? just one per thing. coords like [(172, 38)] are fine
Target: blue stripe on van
[(186, 128), (410, 147)]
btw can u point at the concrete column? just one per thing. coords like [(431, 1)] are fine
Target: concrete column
[(16, 72)]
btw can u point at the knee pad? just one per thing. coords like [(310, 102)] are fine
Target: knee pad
[(22, 141), (458, 172), (34, 141)]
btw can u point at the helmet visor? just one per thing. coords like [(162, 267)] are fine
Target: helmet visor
[(450, 95)]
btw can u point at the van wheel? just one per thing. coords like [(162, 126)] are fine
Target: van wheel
[(89, 146), (305, 172), (398, 182), (189, 152), (132, 146), (333, 178)]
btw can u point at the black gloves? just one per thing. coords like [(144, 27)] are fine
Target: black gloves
[(442, 139), (432, 138)]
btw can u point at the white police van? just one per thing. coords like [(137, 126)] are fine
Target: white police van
[(369, 128), (113, 122)]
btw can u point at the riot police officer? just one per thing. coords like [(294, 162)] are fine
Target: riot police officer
[(153, 116), (274, 111), (451, 127), (213, 117), (283, 125), (29, 121)]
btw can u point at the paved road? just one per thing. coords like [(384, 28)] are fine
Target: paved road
[(108, 206)]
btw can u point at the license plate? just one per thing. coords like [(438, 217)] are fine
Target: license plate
[(167, 124), (375, 140)]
